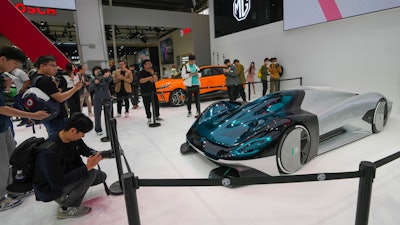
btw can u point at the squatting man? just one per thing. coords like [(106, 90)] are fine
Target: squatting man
[(61, 175)]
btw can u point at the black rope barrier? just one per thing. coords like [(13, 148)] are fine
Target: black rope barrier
[(387, 159), (232, 181)]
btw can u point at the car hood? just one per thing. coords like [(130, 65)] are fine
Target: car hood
[(168, 82), (232, 127)]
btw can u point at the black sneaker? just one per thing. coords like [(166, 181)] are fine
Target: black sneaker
[(15, 195), (21, 124), (73, 212), (8, 203)]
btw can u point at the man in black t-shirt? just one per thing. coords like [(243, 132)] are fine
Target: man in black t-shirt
[(47, 68), (147, 78)]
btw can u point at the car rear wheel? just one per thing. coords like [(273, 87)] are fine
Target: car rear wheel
[(293, 149), (380, 116), (177, 98)]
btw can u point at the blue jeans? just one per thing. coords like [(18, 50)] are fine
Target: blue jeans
[(55, 125)]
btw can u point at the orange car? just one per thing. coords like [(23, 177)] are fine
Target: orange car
[(173, 91)]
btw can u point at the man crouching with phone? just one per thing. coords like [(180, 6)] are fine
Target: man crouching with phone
[(60, 173)]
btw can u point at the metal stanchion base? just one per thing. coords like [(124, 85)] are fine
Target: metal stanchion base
[(105, 139), (116, 189), (235, 171), (154, 124), (185, 148)]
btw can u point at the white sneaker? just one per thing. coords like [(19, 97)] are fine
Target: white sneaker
[(8, 203), (126, 114), (118, 115), (197, 115), (99, 133), (189, 114)]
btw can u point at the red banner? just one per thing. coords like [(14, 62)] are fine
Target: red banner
[(24, 34)]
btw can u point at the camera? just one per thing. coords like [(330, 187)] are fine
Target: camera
[(108, 154), (99, 75)]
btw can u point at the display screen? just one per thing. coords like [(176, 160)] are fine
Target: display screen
[(167, 51), (308, 12), (231, 16)]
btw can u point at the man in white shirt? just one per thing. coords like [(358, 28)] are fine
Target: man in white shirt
[(22, 82)]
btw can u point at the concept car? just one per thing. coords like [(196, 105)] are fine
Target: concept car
[(280, 132)]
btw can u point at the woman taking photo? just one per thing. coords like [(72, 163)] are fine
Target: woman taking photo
[(101, 94)]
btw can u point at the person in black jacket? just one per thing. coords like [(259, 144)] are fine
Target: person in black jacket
[(61, 175)]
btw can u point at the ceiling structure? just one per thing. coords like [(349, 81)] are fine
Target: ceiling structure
[(135, 36), (168, 5)]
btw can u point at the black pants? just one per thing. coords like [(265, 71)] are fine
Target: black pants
[(122, 95), (265, 86), (147, 103), (232, 92), (190, 91), (74, 193), (240, 89), (74, 103), (135, 95)]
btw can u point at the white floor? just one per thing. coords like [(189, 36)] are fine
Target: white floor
[(154, 153)]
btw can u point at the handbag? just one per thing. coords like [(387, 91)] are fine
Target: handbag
[(259, 75)]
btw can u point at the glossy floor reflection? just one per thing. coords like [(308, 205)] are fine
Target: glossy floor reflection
[(154, 153)]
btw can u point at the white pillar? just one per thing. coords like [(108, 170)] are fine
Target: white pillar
[(91, 41)]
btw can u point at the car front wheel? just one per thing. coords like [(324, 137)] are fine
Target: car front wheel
[(293, 149), (380, 116), (177, 98)]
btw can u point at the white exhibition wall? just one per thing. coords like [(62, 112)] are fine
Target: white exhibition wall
[(358, 54)]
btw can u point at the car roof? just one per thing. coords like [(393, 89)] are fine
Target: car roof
[(213, 66)]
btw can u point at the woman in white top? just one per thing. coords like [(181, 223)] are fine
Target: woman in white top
[(72, 78)]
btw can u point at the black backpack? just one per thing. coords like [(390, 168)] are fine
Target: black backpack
[(35, 99), (22, 164), (281, 73)]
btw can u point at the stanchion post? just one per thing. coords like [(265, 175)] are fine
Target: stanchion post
[(132, 208), (248, 83), (116, 187), (107, 106), (367, 171), (153, 106)]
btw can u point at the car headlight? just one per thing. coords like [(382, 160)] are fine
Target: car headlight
[(248, 149), (164, 86)]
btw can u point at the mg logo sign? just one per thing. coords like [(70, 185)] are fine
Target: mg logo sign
[(241, 9)]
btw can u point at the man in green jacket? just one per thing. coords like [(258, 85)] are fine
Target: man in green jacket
[(242, 79), (264, 75)]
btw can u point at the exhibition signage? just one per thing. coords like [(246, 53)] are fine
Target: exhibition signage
[(58, 4), (26, 34), (241, 9), (35, 10)]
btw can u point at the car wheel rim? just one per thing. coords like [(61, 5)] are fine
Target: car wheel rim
[(293, 150), (380, 116), (178, 98)]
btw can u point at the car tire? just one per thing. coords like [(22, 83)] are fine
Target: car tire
[(177, 98), (293, 149), (380, 116)]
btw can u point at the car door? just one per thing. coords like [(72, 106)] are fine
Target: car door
[(212, 79)]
